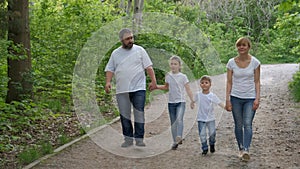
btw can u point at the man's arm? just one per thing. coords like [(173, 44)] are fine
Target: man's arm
[(151, 74), (109, 76)]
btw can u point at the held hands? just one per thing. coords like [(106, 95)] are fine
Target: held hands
[(192, 104), (152, 86)]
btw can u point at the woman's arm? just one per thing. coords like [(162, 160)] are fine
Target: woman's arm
[(228, 89), (257, 87)]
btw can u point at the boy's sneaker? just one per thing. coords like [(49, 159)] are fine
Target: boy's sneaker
[(127, 144), (212, 148), (174, 146), (245, 156), (204, 152), (178, 140)]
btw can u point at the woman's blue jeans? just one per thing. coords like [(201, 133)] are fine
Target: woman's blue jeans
[(137, 100), (211, 126), (243, 115), (176, 112)]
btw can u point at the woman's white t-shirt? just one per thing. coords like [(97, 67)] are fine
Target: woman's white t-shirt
[(243, 85), (177, 84)]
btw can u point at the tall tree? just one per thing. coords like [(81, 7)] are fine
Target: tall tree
[(19, 63)]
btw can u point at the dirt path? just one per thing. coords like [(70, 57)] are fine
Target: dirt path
[(276, 141)]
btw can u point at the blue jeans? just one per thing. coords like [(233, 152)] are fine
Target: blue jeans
[(137, 100), (211, 125), (243, 117), (176, 112)]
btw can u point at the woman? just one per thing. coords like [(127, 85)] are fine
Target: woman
[(243, 93)]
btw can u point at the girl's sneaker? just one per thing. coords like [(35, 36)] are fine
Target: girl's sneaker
[(174, 146), (178, 140)]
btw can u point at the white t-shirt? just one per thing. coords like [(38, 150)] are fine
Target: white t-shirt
[(129, 67), (176, 86), (206, 104), (243, 85)]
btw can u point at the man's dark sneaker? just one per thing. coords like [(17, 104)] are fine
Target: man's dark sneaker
[(127, 144), (140, 143), (212, 148), (174, 146), (204, 152)]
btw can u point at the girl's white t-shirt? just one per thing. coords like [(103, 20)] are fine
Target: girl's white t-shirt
[(177, 84), (206, 103), (129, 67), (243, 85)]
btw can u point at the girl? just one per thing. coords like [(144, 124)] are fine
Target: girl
[(175, 82)]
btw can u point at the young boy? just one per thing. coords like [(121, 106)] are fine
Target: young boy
[(206, 117)]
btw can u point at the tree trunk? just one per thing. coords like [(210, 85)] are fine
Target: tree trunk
[(19, 63), (137, 17)]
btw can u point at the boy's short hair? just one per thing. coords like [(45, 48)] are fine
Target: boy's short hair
[(205, 77)]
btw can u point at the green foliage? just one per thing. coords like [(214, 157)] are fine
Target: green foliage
[(34, 152), (294, 86)]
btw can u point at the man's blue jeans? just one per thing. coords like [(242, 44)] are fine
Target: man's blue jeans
[(137, 100), (176, 112), (211, 125), (243, 115)]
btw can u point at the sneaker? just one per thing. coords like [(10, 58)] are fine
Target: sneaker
[(178, 140), (174, 146), (140, 143), (212, 148), (245, 156), (240, 155), (127, 144), (204, 152)]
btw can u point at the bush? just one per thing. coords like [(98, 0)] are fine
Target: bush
[(294, 86)]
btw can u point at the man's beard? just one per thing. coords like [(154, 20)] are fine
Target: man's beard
[(128, 46)]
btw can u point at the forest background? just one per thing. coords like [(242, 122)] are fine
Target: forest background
[(36, 123)]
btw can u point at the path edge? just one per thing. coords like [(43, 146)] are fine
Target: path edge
[(59, 149)]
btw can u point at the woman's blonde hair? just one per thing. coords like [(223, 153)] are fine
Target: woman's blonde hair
[(243, 40)]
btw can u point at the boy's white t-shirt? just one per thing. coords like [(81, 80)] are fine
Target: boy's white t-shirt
[(129, 67), (206, 104), (177, 84), (243, 85)]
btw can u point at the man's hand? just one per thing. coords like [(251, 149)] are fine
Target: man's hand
[(107, 87), (152, 86)]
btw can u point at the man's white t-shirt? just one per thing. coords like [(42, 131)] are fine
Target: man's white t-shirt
[(128, 66), (177, 84), (206, 104), (243, 85)]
